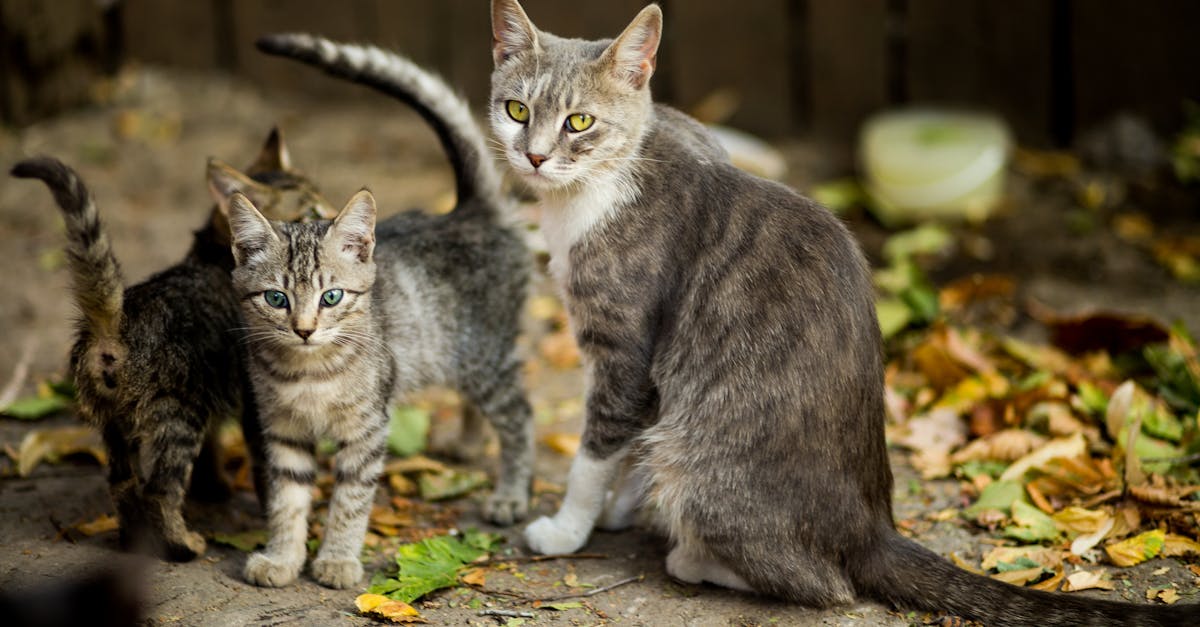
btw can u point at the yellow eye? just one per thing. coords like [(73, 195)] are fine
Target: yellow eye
[(579, 122), (517, 111)]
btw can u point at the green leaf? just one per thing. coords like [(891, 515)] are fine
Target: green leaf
[(1032, 524), (432, 564), (977, 467), (243, 540), (838, 195), (997, 496), (893, 314), (36, 407), (1021, 563), (1092, 399), (566, 605), (407, 430), (923, 301), (450, 483), (928, 239)]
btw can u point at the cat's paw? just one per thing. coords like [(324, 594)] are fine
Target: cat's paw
[(270, 572), (186, 547), (551, 536), (337, 572), (504, 508)]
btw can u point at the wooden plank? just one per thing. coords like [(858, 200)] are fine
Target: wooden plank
[(181, 33), (847, 77), (714, 46), (993, 55), (1136, 56)]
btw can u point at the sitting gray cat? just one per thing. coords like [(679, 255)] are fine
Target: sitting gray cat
[(344, 316), (734, 351)]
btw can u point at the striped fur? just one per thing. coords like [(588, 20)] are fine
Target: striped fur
[(157, 365), (734, 351)]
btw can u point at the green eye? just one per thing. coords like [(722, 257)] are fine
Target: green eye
[(331, 298), (517, 111), (275, 298), (579, 122)]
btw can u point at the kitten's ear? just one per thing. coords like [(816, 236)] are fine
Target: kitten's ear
[(512, 32), (353, 232), (633, 54), (252, 235), (274, 155), (224, 180)]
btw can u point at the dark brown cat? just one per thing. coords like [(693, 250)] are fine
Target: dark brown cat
[(158, 365), (732, 342)]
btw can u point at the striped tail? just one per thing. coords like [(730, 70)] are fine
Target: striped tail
[(99, 288), (444, 110)]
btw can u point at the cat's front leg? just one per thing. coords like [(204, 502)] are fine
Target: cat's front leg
[(587, 490), (356, 470), (292, 471)]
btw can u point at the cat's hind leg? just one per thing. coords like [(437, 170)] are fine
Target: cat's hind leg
[(208, 482), (621, 505), (691, 566), (175, 444), (123, 487), (587, 488), (291, 470), (503, 401)]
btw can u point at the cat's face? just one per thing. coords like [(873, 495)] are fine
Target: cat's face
[(565, 111), (305, 285)]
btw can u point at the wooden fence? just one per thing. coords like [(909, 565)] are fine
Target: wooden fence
[(1052, 68)]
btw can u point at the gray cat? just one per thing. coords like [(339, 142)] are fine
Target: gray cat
[(157, 365), (734, 354), (345, 315)]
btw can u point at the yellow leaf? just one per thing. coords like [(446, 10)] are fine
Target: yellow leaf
[(379, 606), (53, 444), (562, 443), (474, 577), (1084, 542), (1019, 577), (368, 602), (1166, 595), (1137, 549), (1175, 545), (104, 524), (1073, 446), (1051, 584), (1042, 556), (1087, 580), (1079, 520)]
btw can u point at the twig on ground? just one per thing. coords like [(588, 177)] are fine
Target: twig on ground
[(589, 593), (507, 613), (521, 559), (1100, 498)]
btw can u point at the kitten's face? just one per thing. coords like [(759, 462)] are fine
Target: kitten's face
[(305, 285), (565, 111)]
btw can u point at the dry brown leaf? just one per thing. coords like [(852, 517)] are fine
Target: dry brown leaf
[(1051, 584), (1006, 446), (541, 486), (562, 443), (560, 350), (104, 524), (1079, 520), (1046, 557), (960, 293), (1019, 577), (52, 444), (1166, 595), (1087, 580), (414, 464), (379, 606), (1068, 447), (401, 485), (1175, 545), (1137, 549), (474, 577)]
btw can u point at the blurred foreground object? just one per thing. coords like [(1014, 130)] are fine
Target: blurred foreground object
[(111, 596), (927, 164)]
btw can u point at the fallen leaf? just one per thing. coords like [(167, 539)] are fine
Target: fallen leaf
[(1137, 549), (413, 465), (450, 484), (1075, 520), (1087, 580), (997, 496), (545, 308), (244, 541), (35, 407), (560, 350), (1031, 524), (408, 430), (1051, 584), (379, 606), (1175, 545), (562, 606), (1166, 595), (1046, 557), (1006, 446), (562, 443), (432, 564), (1019, 577), (1068, 447), (104, 524), (53, 444), (1087, 541), (474, 577)]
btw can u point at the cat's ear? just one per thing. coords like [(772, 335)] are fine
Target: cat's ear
[(632, 56), (224, 180), (512, 32), (252, 234), (353, 232), (274, 155)]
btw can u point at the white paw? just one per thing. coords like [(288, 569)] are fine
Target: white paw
[(339, 573), (550, 536), (267, 571)]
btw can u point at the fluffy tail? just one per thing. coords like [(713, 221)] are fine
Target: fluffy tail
[(910, 576), (99, 288), (392, 74)]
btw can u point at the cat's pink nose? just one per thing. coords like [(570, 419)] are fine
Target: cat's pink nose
[(303, 333), (536, 159)]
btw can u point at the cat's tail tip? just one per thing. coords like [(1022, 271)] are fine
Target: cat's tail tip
[(48, 169), (285, 43)]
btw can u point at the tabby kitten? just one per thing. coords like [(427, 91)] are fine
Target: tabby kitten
[(156, 365), (344, 316), (735, 360)]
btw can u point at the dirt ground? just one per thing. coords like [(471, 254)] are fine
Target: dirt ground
[(143, 154)]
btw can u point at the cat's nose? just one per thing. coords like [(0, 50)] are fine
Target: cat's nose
[(303, 333), (536, 159)]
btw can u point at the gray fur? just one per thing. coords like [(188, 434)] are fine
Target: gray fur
[(427, 300), (733, 350)]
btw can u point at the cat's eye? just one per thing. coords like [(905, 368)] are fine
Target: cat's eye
[(517, 111), (577, 122), (331, 298), (275, 298)]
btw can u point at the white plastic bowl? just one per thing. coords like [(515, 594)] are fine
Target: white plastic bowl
[(934, 165)]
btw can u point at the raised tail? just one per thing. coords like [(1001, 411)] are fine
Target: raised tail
[(908, 575), (392, 74), (99, 288)]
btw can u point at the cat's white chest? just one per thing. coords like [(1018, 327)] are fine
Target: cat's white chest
[(568, 221)]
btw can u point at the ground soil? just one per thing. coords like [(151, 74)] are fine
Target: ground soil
[(143, 153)]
